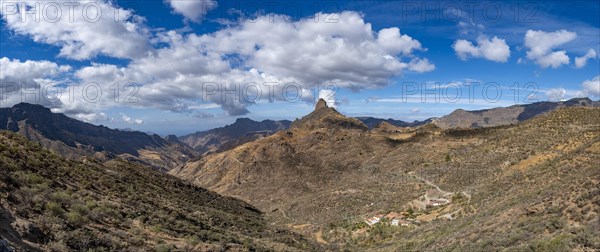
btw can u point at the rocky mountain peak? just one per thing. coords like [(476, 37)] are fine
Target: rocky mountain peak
[(28, 106), (23, 110), (244, 120), (386, 126), (325, 117), (172, 138), (321, 104)]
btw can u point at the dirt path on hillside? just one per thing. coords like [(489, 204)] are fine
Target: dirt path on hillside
[(319, 237), (431, 184), (444, 193)]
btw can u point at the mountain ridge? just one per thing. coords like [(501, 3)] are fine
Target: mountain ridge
[(506, 115), (75, 139), (241, 131), (372, 122)]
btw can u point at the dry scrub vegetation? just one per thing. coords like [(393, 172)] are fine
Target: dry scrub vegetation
[(52, 204)]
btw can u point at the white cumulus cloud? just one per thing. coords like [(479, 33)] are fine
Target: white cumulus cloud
[(305, 52), (494, 49), (394, 43), (82, 29), (592, 87), (91, 117), (193, 10), (102, 73), (580, 62), (347, 53), (30, 81), (556, 94), (540, 46), (420, 65), (23, 71), (328, 96), (130, 120)]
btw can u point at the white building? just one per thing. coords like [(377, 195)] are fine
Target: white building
[(374, 220)]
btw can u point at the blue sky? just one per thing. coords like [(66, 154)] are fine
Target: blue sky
[(381, 58)]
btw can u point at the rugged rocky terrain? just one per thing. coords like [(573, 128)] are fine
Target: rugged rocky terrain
[(51, 204), (532, 185), (75, 139), (242, 131)]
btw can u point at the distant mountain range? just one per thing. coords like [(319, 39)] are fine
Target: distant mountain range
[(74, 139), (372, 122), (508, 115), (243, 130)]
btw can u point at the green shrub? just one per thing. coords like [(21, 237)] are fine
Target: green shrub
[(192, 240), (58, 246), (82, 209), (61, 197), (163, 248), (103, 212), (54, 208), (563, 242), (156, 228), (75, 219)]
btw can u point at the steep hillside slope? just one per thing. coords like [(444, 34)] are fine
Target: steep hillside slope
[(328, 172), (75, 139), (50, 203), (242, 131)]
